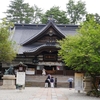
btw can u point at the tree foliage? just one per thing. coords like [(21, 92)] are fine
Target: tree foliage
[(58, 15), (82, 51), (75, 11), (37, 14), (7, 49), (20, 12), (95, 16)]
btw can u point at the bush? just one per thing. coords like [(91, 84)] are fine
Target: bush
[(94, 93)]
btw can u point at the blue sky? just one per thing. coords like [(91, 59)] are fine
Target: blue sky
[(92, 6)]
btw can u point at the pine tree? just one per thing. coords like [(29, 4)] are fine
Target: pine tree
[(19, 12)]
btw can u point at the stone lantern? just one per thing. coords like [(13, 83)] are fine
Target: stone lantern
[(87, 84)]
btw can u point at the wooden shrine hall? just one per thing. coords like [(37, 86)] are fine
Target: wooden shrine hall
[(37, 47)]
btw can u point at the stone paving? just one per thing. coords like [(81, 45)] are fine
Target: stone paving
[(38, 93)]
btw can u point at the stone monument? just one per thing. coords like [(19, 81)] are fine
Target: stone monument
[(87, 84), (8, 79)]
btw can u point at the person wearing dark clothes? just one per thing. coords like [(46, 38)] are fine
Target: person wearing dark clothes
[(55, 82), (70, 80), (48, 78), (70, 84)]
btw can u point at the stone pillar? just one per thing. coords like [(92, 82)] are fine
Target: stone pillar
[(8, 82), (87, 84)]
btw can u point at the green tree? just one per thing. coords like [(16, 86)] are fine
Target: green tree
[(75, 11), (58, 15), (37, 14), (7, 48), (96, 17), (89, 16), (82, 51), (20, 12)]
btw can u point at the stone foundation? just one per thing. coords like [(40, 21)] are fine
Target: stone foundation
[(8, 82)]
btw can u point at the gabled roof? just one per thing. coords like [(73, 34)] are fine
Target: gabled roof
[(49, 24), (26, 33)]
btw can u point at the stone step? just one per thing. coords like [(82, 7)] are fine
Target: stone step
[(39, 78), (39, 81), (42, 84)]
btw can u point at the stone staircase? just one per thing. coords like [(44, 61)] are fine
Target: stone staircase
[(39, 81)]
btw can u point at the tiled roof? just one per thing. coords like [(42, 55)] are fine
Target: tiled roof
[(29, 48), (39, 47), (24, 33), (42, 30)]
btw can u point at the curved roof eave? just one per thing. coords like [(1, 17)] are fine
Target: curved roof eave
[(51, 23), (40, 47)]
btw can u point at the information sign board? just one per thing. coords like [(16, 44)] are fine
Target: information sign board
[(20, 78), (79, 81)]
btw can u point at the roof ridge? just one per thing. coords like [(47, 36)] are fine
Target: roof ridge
[(50, 23)]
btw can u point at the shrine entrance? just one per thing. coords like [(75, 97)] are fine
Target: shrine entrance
[(50, 69)]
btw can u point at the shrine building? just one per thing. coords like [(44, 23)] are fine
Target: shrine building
[(37, 47)]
